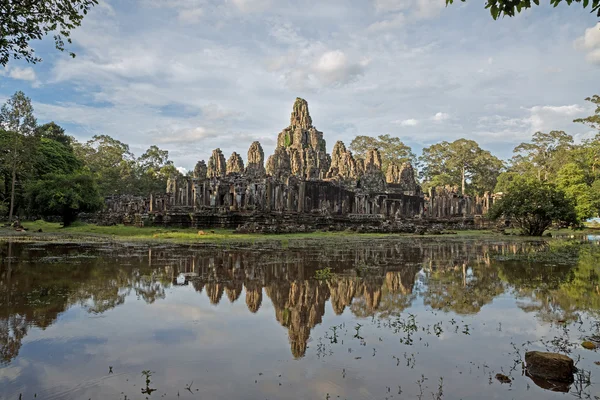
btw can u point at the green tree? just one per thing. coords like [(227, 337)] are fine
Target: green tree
[(593, 120), (64, 195), (392, 149), (510, 8), (154, 168), (111, 163), (571, 179), (54, 132), (533, 206), (53, 157), (460, 163), (18, 123), (22, 21), (544, 155)]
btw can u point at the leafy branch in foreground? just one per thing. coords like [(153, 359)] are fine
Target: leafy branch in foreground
[(510, 8), (26, 20)]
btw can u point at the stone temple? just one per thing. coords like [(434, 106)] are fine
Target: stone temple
[(300, 185)]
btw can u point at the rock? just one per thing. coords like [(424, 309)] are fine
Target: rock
[(235, 164), (549, 366), (39, 230), (256, 160), (503, 378), (300, 116), (201, 233), (216, 164), (278, 165), (589, 345), (404, 177), (200, 170)]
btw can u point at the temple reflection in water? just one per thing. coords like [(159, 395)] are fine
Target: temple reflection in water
[(383, 278)]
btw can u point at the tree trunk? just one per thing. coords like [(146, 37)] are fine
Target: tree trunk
[(463, 181), (12, 193)]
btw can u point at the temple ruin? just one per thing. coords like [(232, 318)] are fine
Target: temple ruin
[(299, 185)]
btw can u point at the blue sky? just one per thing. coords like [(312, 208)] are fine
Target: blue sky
[(193, 75)]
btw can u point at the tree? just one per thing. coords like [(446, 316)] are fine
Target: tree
[(111, 163), (460, 163), (392, 149), (52, 157), (64, 195), (510, 8), (544, 155), (22, 21), (18, 123), (154, 168), (571, 179), (54, 132), (593, 120), (533, 206)]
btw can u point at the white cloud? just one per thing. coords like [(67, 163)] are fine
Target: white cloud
[(418, 8), (191, 16), (440, 116), (182, 170), (25, 74), (590, 43), (334, 67), (252, 5), (407, 122)]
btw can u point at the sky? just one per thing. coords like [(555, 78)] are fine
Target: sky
[(194, 75)]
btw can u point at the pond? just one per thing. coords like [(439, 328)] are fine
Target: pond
[(370, 319)]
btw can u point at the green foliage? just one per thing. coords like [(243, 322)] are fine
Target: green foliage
[(24, 21), (64, 195), (17, 140), (510, 8), (593, 120), (323, 274), (533, 206), (461, 163), (54, 132), (571, 179), (392, 149), (544, 155), (55, 158)]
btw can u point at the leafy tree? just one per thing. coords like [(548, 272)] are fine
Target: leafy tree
[(392, 149), (53, 157), (54, 132), (533, 206), (510, 8), (460, 163), (111, 163), (571, 179), (544, 155), (64, 195), (22, 21), (154, 169), (593, 120), (18, 123)]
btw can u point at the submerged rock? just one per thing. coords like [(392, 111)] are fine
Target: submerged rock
[(589, 345), (549, 366), (503, 378)]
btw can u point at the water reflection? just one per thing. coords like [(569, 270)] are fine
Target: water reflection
[(383, 279)]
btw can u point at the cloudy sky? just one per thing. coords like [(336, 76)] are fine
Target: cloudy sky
[(193, 75)]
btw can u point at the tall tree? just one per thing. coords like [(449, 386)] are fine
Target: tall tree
[(460, 163), (54, 132), (544, 155), (510, 8), (154, 168), (392, 149), (111, 163), (18, 123), (593, 120), (22, 21)]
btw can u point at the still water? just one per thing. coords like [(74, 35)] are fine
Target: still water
[(407, 319)]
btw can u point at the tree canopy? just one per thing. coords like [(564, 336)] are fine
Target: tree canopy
[(510, 8), (392, 149), (461, 163), (23, 21), (534, 205)]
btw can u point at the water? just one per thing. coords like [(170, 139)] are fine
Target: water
[(430, 319)]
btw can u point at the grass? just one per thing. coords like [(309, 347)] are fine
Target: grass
[(81, 231)]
